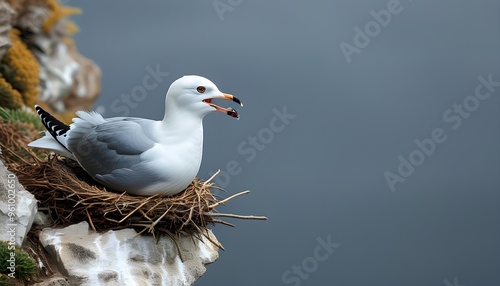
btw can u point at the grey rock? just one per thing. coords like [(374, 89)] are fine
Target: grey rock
[(17, 208), (6, 13)]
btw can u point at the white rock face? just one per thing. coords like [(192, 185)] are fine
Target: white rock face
[(123, 258), (17, 208)]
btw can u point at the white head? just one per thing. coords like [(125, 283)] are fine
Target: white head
[(194, 94)]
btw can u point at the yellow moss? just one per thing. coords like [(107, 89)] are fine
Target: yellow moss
[(71, 28), (9, 97), (58, 12), (25, 69)]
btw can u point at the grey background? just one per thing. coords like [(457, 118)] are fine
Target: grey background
[(323, 175)]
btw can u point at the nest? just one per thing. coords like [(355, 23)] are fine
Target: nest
[(69, 195)]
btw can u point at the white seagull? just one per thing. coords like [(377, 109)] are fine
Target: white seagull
[(137, 155)]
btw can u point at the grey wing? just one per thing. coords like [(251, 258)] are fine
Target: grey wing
[(111, 151)]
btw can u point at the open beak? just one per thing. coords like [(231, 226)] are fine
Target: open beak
[(229, 111)]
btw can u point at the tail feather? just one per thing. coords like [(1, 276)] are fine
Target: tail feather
[(49, 143), (56, 129)]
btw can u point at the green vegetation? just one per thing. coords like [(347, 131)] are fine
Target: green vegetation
[(15, 262), (20, 115)]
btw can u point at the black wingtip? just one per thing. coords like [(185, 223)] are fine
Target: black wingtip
[(52, 124)]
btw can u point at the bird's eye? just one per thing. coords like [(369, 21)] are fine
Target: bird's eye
[(201, 89)]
